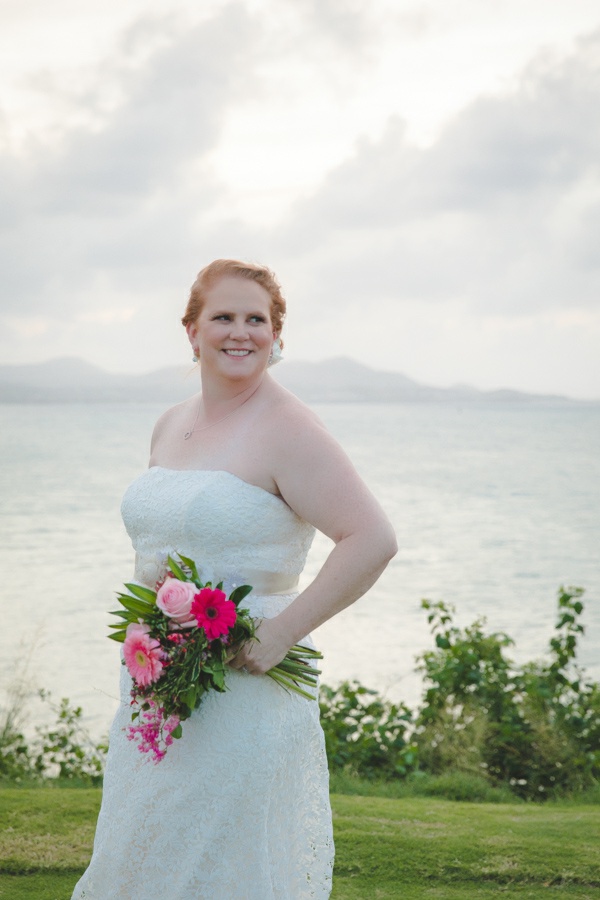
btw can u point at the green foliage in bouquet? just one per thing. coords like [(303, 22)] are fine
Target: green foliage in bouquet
[(196, 664), (177, 642)]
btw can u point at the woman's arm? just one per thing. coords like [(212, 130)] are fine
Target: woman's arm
[(318, 481)]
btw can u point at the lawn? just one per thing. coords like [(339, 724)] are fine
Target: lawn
[(407, 848)]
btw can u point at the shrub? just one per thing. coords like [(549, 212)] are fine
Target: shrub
[(535, 727), (366, 734), (483, 721), (63, 750)]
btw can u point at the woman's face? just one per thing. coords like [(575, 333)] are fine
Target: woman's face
[(234, 332)]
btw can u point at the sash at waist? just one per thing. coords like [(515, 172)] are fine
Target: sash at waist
[(264, 583), (148, 571)]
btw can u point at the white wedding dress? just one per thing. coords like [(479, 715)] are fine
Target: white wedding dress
[(239, 807)]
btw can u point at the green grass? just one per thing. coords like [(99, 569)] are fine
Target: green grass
[(450, 786), (407, 847), (436, 848), (46, 836)]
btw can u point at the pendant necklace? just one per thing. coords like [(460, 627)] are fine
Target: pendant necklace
[(189, 433)]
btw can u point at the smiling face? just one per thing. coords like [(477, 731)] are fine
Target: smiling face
[(234, 332)]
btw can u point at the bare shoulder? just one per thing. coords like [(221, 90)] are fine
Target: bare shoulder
[(316, 478), (289, 419), (312, 472)]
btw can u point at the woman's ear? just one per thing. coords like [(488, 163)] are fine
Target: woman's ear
[(192, 332)]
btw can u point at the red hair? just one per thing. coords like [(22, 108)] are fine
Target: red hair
[(228, 268)]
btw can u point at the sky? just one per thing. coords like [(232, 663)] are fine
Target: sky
[(423, 177)]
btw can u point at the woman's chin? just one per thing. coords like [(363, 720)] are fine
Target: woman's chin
[(241, 366)]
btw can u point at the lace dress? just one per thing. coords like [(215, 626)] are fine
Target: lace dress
[(239, 807)]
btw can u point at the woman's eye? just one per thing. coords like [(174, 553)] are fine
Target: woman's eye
[(228, 317)]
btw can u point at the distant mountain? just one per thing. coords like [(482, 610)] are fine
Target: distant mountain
[(71, 380), (341, 380)]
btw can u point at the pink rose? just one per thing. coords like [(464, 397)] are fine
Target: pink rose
[(175, 597)]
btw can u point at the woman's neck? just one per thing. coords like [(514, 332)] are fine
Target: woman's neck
[(219, 397)]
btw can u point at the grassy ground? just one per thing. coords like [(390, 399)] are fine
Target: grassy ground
[(409, 848)]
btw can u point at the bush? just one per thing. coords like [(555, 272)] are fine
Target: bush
[(63, 750), (535, 727), (365, 733), (483, 722)]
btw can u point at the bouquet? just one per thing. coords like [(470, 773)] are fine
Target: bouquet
[(176, 644)]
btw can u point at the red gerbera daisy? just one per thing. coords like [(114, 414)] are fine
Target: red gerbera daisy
[(213, 612)]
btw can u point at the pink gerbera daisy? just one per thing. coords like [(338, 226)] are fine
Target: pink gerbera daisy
[(143, 655), (213, 612)]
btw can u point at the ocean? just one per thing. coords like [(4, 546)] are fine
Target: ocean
[(495, 506)]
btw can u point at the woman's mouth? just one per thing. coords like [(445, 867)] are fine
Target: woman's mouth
[(238, 353)]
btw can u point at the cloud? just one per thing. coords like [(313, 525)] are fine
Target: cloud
[(500, 213), (119, 196), (347, 24), (485, 239)]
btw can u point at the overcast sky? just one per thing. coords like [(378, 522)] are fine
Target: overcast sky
[(424, 178)]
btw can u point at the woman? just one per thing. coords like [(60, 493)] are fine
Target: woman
[(240, 476)]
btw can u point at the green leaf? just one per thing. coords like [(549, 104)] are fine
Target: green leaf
[(177, 732), (238, 594), (191, 566), (118, 636), (175, 569), (189, 697), (142, 593), (219, 678), (139, 607)]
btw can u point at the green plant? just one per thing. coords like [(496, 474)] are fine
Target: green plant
[(17, 762), (483, 722), (65, 750), (535, 727), (365, 733)]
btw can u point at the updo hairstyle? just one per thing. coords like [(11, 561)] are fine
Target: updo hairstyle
[(227, 268)]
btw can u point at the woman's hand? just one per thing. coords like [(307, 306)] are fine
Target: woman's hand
[(268, 647)]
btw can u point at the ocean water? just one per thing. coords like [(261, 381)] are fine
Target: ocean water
[(494, 508)]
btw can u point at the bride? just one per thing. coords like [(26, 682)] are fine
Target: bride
[(239, 478)]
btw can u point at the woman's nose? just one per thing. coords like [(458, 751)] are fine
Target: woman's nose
[(239, 329)]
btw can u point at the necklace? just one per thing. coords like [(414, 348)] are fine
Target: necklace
[(189, 433)]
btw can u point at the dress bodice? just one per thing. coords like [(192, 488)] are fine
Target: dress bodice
[(236, 532)]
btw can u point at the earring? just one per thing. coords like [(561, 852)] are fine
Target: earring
[(275, 355), (196, 356)]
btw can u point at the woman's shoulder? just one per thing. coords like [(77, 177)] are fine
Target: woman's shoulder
[(294, 434), (287, 412)]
